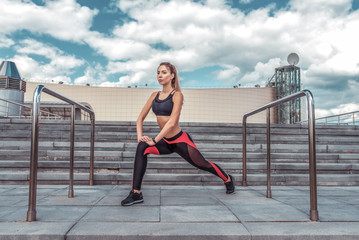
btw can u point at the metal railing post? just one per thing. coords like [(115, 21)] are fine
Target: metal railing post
[(92, 150), (7, 109), (244, 152), (72, 152), (353, 119), (269, 192), (31, 213), (314, 216)]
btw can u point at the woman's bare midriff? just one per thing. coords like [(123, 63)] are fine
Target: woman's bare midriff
[(162, 120)]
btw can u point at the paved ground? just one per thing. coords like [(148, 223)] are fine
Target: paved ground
[(179, 212)]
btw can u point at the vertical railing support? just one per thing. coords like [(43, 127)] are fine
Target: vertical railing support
[(353, 119), (7, 109), (31, 213), (269, 192), (244, 151), (314, 216), (72, 152), (92, 150)]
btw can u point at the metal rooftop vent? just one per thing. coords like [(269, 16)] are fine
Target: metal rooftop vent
[(10, 77), (9, 69)]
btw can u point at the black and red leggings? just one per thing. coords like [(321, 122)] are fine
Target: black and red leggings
[(181, 144)]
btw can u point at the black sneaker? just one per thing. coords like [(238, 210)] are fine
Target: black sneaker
[(230, 185), (132, 198)]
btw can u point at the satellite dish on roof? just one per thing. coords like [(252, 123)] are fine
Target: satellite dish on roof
[(293, 59)]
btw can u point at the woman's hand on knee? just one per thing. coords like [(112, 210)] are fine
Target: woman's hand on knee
[(144, 139), (151, 142), (147, 140)]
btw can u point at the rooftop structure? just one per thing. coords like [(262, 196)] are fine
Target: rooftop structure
[(9, 69), (10, 77), (12, 88), (286, 81)]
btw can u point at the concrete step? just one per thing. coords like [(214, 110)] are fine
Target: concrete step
[(204, 147), (198, 139), (126, 155), (22, 177), (337, 151), (120, 156), (180, 167)]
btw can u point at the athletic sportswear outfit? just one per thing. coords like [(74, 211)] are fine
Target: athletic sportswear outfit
[(181, 144)]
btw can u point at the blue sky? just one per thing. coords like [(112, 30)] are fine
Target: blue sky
[(213, 43)]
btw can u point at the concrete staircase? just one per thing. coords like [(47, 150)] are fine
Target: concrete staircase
[(337, 153)]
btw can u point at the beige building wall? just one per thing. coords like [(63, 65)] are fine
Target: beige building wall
[(226, 105)]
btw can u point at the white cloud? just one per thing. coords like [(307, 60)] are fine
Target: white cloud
[(261, 74), (200, 34), (245, 1), (126, 5), (5, 42), (93, 76), (137, 71), (217, 3), (341, 109), (31, 46), (119, 49), (57, 67), (62, 19), (229, 74), (327, 7), (58, 57), (32, 71)]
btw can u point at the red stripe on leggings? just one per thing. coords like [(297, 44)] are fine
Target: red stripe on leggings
[(220, 174), (151, 150)]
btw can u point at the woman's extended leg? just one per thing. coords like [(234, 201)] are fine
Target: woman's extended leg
[(185, 147)]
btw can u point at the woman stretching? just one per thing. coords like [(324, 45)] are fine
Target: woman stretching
[(167, 105)]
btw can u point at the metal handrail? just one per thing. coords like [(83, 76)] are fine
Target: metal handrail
[(31, 214), (24, 106), (337, 115), (312, 151)]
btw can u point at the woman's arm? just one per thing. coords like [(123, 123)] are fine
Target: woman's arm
[(174, 118), (143, 115)]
